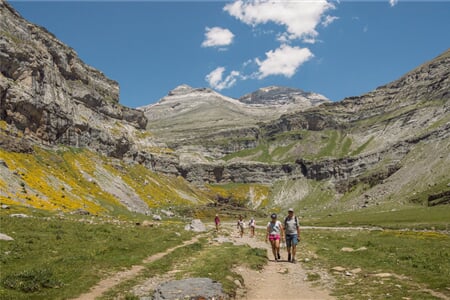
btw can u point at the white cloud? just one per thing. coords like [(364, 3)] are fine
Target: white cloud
[(393, 2), (283, 61), (328, 20), (216, 80), (217, 36), (299, 17)]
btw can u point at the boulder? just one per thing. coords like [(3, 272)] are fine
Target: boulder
[(5, 237), (191, 288), (196, 225)]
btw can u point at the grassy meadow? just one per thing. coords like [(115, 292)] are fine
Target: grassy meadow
[(55, 257), (61, 257), (411, 217), (380, 264)]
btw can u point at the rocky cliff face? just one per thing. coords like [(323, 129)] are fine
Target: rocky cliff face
[(414, 105), (50, 95), (284, 96)]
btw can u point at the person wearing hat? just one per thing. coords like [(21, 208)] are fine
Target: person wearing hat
[(292, 230), (275, 232)]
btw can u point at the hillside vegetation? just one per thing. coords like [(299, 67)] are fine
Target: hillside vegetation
[(71, 179)]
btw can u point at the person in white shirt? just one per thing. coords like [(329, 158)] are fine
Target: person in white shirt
[(252, 225), (292, 230), (275, 232)]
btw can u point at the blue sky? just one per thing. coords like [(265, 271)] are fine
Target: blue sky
[(338, 49)]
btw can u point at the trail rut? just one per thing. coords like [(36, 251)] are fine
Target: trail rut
[(113, 280)]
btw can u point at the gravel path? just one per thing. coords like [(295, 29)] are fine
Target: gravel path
[(278, 280)]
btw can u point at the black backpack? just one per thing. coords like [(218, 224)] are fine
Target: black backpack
[(286, 219)]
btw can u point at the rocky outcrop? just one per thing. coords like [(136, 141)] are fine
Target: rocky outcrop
[(439, 199), (277, 96), (371, 168), (47, 92), (242, 172), (191, 288), (309, 120)]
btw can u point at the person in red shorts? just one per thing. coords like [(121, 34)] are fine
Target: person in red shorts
[(275, 232)]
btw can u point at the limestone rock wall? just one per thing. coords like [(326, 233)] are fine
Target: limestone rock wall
[(47, 92)]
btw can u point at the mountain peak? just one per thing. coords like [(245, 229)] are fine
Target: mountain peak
[(181, 90), (185, 89)]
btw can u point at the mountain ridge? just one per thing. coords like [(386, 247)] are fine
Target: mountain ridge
[(279, 95), (186, 113)]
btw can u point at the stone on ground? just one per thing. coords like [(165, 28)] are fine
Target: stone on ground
[(191, 288)]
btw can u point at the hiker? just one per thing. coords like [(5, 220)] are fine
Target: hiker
[(292, 230), (252, 225), (217, 222), (240, 226), (275, 232)]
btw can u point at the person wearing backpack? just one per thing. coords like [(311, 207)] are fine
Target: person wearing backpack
[(292, 231)]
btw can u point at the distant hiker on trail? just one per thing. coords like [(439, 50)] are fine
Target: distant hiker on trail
[(292, 230), (252, 225), (217, 222), (275, 232), (240, 226)]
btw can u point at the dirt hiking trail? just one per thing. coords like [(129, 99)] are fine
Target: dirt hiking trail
[(113, 280), (280, 280)]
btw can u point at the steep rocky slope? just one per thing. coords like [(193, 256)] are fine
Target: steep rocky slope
[(52, 103), (51, 96)]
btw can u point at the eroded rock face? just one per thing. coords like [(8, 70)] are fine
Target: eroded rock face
[(277, 95), (47, 92)]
